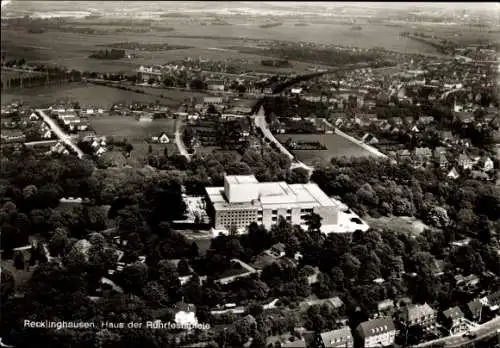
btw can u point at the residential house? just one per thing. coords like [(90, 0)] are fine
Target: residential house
[(446, 136), (418, 315), (34, 117), (442, 161), (415, 129), (438, 151), (87, 135), (333, 302), (296, 90), (185, 314), (338, 338), (385, 126), (461, 242), (59, 147), (494, 301), (474, 309), (313, 278), (425, 120), (452, 316), (464, 117), (369, 139), (295, 343), (146, 117), (408, 120), (100, 150), (479, 175), (46, 134), (397, 121), (403, 155), (378, 332), (422, 155), (488, 165), (215, 85), (162, 139), (312, 98), (278, 250), (437, 268), (385, 307), (453, 174), (465, 162), (97, 142), (12, 135), (147, 73), (398, 267), (212, 100)]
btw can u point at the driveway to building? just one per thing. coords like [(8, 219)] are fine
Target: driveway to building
[(179, 142), (260, 122), (66, 139), (483, 331)]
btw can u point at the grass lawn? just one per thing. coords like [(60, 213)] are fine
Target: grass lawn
[(129, 127), (85, 94), (409, 225), (337, 146)]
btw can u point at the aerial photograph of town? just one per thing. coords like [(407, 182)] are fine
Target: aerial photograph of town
[(225, 174)]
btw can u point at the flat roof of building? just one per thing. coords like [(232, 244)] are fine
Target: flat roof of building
[(242, 179), (270, 195)]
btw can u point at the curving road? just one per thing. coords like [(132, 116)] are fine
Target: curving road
[(482, 332), (66, 139), (178, 140)]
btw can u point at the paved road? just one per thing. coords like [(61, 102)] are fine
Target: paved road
[(260, 122), (41, 142), (66, 139), (244, 265), (483, 331), (179, 142)]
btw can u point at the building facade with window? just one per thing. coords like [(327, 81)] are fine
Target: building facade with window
[(244, 200)]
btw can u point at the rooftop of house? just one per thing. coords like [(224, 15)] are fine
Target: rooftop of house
[(388, 303), (336, 302), (453, 313), (278, 247), (423, 151), (184, 307), (494, 298), (337, 337), (416, 312), (470, 278), (376, 327), (474, 306)]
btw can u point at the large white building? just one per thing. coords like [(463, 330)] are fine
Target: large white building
[(244, 200)]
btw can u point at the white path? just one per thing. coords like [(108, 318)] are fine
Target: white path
[(66, 139)]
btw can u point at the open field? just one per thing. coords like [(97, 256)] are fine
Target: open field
[(172, 95), (337, 146), (131, 128), (88, 94), (47, 48), (409, 225), (213, 42)]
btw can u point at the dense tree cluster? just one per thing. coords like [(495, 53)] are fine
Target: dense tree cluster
[(286, 107), (377, 187), (327, 56), (143, 202), (108, 54)]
